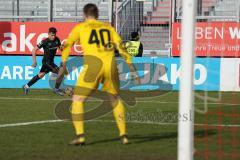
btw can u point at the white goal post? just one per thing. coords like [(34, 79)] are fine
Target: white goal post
[(186, 95)]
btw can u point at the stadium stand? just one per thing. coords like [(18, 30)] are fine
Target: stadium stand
[(26, 8), (160, 13), (152, 18), (69, 8), (63, 10), (213, 10), (220, 8), (156, 30), (206, 7)]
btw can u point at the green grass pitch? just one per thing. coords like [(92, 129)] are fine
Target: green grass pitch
[(152, 129)]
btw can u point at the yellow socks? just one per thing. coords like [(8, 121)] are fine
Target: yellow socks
[(119, 114), (77, 117)]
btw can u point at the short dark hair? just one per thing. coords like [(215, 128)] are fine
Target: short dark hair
[(134, 36), (91, 9), (52, 30)]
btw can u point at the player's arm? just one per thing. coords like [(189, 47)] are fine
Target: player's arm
[(62, 70), (72, 38), (60, 46), (127, 57), (34, 51), (34, 64)]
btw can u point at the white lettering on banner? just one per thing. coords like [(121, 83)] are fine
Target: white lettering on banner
[(6, 73), (75, 73), (163, 77), (25, 41), (28, 72), (220, 33), (206, 33), (69, 77), (9, 45), (199, 34), (175, 73), (202, 72), (233, 48), (213, 47), (234, 33), (201, 47), (17, 72), (77, 47)]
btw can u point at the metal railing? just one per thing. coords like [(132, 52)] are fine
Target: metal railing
[(128, 17), (211, 10), (49, 10)]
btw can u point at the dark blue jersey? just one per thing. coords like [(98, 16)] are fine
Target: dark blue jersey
[(50, 49)]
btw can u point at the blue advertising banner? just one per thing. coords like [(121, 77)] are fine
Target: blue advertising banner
[(206, 71), (155, 73)]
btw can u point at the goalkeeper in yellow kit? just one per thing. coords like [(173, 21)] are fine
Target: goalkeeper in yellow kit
[(97, 40)]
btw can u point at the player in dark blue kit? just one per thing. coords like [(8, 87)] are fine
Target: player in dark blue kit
[(50, 46)]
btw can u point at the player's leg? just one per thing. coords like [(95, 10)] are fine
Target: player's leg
[(37, 77), (60, 74), (84, 87), (59, 71), (77, 110), (111, 85), (87, 82), (60, 77), (119, 115)]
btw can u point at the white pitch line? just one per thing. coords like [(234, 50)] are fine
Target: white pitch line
[(37, 99), (161, 123), (108, 121), (29, 123), (92, 100)]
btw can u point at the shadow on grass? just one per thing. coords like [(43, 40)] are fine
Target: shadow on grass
[(136, 139)]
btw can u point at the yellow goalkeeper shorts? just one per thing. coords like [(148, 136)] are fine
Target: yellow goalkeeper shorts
[(96, 72)]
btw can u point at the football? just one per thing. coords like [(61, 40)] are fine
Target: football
[(69, 91)]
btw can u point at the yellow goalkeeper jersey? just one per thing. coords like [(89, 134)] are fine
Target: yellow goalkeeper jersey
[(97, 39)]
